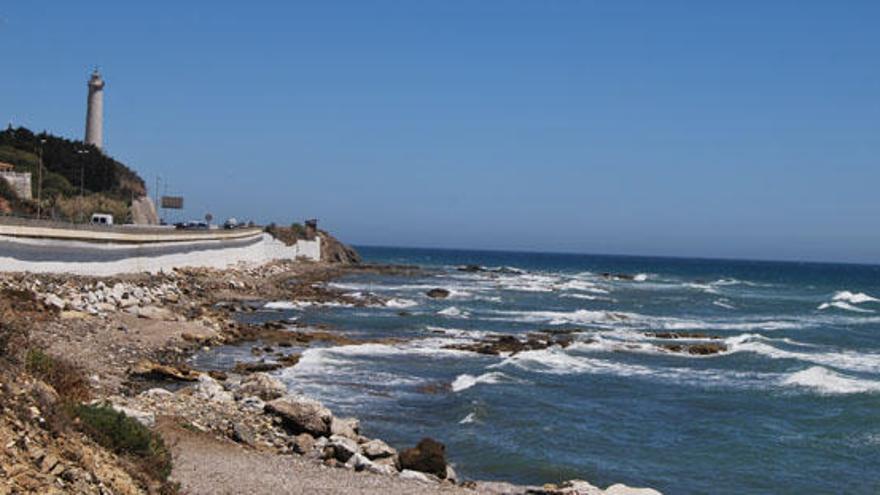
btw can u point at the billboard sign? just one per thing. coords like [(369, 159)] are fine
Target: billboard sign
[(172, 202)]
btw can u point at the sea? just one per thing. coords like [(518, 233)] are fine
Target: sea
[(791, 406)]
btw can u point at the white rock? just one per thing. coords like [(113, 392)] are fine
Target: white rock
[(254, 403), (386, 469), (263, 386), (156, 393), (409, 474), (55, 301), (376, 448), (152, 313), (620, 489), (343, 447), (451, 475), (142, 417), (346, 427), (357, 462), (208, 388)]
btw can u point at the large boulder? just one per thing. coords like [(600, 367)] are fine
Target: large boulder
[(155, 371), (429, 456), (346, 427), (343, 448), (261, 385), (303, 443), (359, 462), (377, 449), (208, 388), (302, 415)]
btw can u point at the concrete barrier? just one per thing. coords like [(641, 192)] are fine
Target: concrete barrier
[(64, 255), (47, 229)]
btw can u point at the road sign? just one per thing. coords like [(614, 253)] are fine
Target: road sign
[(172, 202)]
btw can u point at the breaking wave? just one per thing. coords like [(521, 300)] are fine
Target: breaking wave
[(453, 312), (825, 381), (465, 381), (400, 303), (844, 306), (853, 298)]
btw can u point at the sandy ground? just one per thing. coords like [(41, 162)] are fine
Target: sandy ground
[(204, 465)]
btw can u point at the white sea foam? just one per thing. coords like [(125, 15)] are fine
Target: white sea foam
[(580, 316), (458, 333), (853, 298), (607, 319), (563, 362), (708, 288), (470, 418), (454, 312), (844, 360), (586, 297), (826, 381), (465, 381), (282, 305), (579, 285), (640, 277), (844, 306), (723, 303), (400, 303)]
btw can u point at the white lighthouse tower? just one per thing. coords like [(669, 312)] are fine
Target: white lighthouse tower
[(95, 112)]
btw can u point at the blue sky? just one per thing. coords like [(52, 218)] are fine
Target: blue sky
[(746, 129)]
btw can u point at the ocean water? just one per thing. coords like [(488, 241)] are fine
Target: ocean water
[(793, 405)]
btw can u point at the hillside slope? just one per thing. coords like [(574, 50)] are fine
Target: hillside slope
[(70, 169)]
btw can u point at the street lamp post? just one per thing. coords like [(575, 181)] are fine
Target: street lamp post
[(40, 182), (82, 182)]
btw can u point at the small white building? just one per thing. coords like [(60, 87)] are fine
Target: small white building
[(19, 181)]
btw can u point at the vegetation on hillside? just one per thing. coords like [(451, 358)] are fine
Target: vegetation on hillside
[(70, 169), (70, 158), (45, 401)]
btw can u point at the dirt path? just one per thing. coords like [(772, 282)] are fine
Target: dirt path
[(205, 465)]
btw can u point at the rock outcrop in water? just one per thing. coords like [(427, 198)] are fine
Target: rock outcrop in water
[(510, 344), (483, 269), (438, 293), (333, 251), (681, 335), (429, 456), (696, 349)]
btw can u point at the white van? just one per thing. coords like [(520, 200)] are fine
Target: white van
[(102, 219)]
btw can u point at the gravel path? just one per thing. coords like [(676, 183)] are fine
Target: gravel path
[(204, 465)]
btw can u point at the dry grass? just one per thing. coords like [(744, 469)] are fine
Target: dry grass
[(76, 209)]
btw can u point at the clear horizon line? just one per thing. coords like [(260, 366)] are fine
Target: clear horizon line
[(574, 253)]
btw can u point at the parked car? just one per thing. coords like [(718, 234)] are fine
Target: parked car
[(191, 225), (230, 223), (101, 219)]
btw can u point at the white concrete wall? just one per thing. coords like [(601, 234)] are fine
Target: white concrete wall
[(101, 259), (20, 183)]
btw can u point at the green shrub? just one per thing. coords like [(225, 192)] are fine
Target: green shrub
[(38, 362), (65, 377), (125, 436), (297, 230)]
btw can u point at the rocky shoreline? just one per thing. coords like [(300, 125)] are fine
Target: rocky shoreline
[(132, 336)]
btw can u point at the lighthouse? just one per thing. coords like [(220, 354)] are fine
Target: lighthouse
[(95, 112)]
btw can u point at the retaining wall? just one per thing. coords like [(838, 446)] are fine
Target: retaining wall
[(58, 255)]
